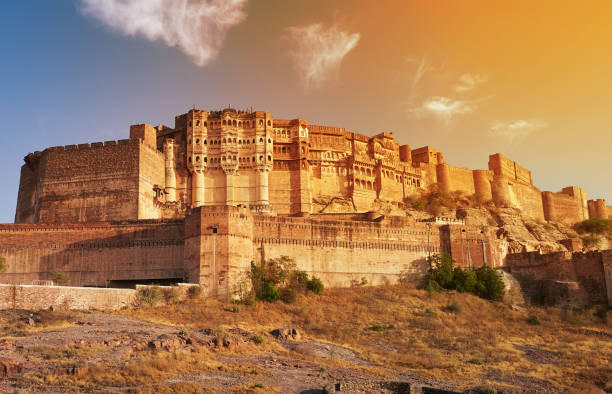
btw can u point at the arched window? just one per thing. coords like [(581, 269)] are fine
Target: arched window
[(260, 139), (269, 158), (234, 140), (284, 150), (234, 157), (204, 142), (253, 140), (190, 159), (260, 159), (303, 150), (269, 141), (234, 123), (197, 122), (197, 158), (369, 185), (205, 124), (224, 141), (260, 122), (189, 123), (206, 160), (197, 141), (224, 122), (189, 141), (269, 123)]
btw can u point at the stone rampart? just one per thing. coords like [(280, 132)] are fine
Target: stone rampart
[(591, 273)]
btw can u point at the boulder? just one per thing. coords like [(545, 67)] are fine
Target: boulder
[(286, 334)]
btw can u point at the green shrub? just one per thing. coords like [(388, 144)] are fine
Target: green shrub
[(257, 339), (60, 277), (595, 226), (3, 264), (289, 295), (183, 333), (485, 281), (235, 309), (534, 320), (461, 213), (489, 390), (315, 285), (377, 327), (430, 312), (490, 283), (278, 279), (475, 361), (194, 291), (148, 296), (454, 307), (591, 241)]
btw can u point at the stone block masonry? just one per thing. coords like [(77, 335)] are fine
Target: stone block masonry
[(82, 298), (230, 157)]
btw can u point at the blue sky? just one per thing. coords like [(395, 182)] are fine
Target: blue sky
[(68, 78)]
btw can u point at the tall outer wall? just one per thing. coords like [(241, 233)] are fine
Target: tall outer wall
[(215, 245)]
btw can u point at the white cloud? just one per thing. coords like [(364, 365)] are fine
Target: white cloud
[(423, 68), (196, 27), (318, 53), (515, 130), (444, 108), (469, 81)]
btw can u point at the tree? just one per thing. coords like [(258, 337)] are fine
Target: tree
[(490, 283)]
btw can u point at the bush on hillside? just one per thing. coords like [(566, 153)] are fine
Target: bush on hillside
[(485, 281), (595, 226), (278, 279), (3, 264)]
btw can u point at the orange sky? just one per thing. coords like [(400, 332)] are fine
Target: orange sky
[(528, 79)]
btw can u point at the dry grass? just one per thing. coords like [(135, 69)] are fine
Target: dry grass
[(419, 334), (15, 323)]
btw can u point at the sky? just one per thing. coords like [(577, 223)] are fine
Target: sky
[(530, 80)]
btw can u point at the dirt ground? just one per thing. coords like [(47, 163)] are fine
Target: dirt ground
[(361, 340)]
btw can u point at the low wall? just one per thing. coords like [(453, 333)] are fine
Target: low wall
[(34, 297)]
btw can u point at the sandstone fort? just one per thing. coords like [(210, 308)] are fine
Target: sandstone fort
[(197, 202)]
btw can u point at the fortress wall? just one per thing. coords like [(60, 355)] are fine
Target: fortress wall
[(329, 181), (391, 189), (284, 186), (152, 173), (519, 195), (565, 208), (461, 179), (340, 252), (482, 184), (28, 195), (591, 271), (89, 182), (92, 254), (502, 166)]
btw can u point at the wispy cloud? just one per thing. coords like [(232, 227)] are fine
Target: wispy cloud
[(469, 81), (196, 27), (317, 53), (444, 108), (423, 68), (516, 130)]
